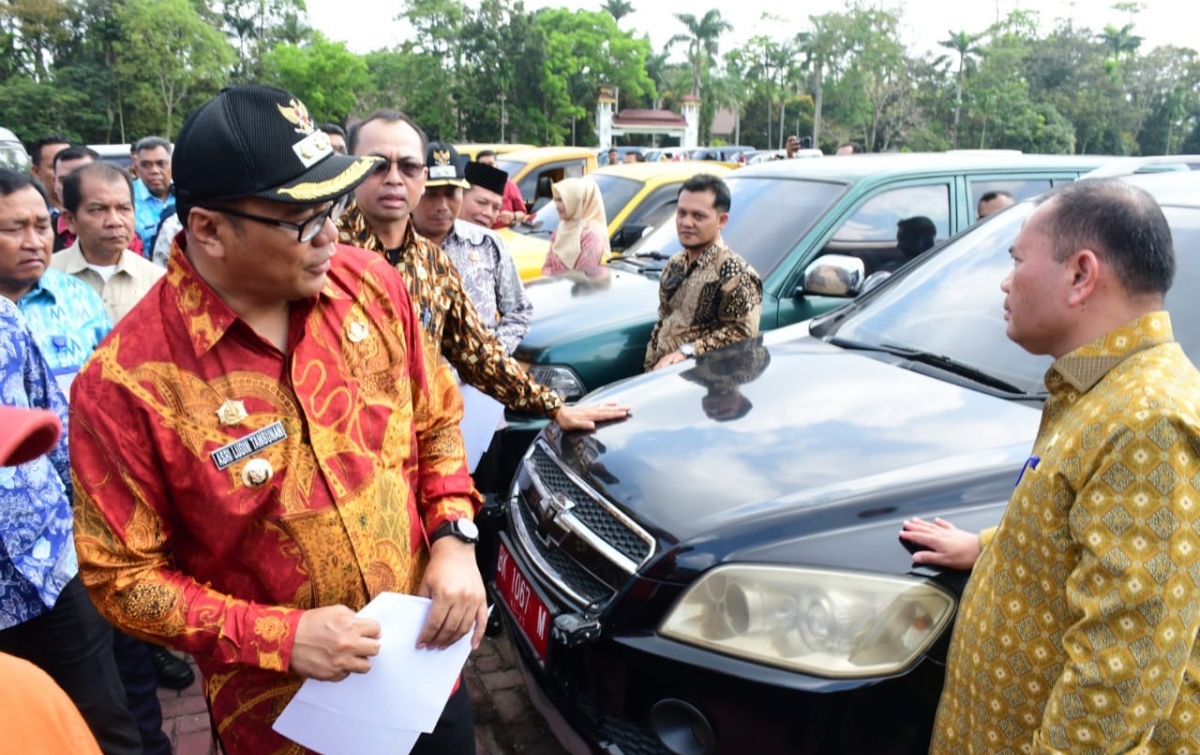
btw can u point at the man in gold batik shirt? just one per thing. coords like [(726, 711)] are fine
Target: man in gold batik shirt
[(1077, 631)]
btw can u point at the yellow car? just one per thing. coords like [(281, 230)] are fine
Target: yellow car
[(637, 196), (471, 151), (535, 170)]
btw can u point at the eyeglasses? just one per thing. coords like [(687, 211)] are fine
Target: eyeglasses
[(305, 231), (409, 168)]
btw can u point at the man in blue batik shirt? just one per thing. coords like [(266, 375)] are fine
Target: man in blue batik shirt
[(46, 616), (153, 193), (66, 316)]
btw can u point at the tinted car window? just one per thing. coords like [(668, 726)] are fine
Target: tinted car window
[(769, 216), (952, 305), (614, 191), (876, 219), (1020, 189)]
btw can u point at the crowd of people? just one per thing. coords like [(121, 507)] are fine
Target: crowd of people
[(262, 431)]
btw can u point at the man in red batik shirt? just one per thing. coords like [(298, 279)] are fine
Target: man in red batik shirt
[(261, 449)]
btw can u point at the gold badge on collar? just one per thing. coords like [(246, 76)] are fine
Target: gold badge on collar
[(357, 332), (257, 472), (232, 412)]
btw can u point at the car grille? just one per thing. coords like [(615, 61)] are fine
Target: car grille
[(580, 542), (598, 519)]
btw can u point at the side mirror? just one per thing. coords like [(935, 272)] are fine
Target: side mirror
[(834, 275), (627, 236)]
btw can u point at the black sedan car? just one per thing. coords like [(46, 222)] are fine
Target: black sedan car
[(721, 574)]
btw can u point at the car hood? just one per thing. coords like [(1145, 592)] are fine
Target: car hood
[(573, 305), (808, 425)]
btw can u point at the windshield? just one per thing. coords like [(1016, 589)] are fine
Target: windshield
[(951, 304), (616, 193), (768, 217)]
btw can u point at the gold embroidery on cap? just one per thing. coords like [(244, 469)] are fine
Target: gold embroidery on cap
[(333, 186), (297, 114)]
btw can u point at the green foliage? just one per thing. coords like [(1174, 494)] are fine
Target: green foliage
[(323, 74)]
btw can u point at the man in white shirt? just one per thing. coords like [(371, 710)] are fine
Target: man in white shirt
[(98, 208)]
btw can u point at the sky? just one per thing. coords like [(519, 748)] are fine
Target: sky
[(367, 25)]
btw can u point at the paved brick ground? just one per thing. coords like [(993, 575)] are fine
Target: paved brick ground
[(505, 722)]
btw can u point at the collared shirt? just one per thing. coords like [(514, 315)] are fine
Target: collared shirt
[(492, 282), (134, 276), (1077, 630), (181, 542), (68, 320), (709, 303), (453, 327), (37, 558), (148, 213)]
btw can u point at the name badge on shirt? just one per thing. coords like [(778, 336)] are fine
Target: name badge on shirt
[(251, 444)]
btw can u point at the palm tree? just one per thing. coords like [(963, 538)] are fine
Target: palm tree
[(1120, 42), (963, 44), (701, 39), (618, 9)]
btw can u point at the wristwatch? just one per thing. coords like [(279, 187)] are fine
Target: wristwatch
[(463, 529), (687, 350)]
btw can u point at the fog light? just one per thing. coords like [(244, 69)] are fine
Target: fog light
[(682, 728)]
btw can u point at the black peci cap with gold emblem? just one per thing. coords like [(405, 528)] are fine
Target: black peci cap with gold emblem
[(259, 141)]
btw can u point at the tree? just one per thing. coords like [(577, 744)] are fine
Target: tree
[(173, 52), (702, 40), (963, 45), (618, 9), (323, 74), (258, 26)]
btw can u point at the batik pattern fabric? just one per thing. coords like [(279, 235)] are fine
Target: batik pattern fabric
[(492, 282), (37, 557), (224, 486), (1077, 630), (68, 320), (148, 211), (709, 303), (453, 328)]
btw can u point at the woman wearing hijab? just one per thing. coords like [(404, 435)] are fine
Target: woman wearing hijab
[(581, 240)]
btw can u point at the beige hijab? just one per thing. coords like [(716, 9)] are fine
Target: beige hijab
[(582, 207)]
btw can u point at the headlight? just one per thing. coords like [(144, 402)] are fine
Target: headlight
[(825, 623), (560, 378)]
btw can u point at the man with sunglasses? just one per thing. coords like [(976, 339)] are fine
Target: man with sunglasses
[(380, 221), (261, 447)]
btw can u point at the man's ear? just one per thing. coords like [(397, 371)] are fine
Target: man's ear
[(204, 229), (69, 216), (1085, 268)]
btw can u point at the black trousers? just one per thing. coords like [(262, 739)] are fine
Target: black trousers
[(136, 668), (455, 730), (74, 645)]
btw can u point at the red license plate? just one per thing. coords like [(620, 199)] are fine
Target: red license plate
[(528, 609)]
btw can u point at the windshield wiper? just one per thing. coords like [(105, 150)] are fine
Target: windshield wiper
[(940, 361), (648, 255)]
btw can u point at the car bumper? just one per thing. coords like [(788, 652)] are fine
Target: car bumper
[(633, 692)]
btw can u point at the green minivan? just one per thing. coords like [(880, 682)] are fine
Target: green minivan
[(785, 217)]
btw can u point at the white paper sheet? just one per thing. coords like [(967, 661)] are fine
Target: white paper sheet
[(481, 415), (386, 709)]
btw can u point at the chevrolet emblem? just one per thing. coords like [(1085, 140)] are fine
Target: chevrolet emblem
[(550, 525)]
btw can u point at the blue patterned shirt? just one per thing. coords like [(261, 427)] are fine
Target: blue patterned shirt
[(37, 555), (148, 213), (68, 321)]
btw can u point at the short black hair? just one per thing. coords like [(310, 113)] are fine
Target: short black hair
[(12, 181), (388, 116), (722, 201), (72, 191), (855, 147), (1120, 223), (333, 128), (75, 152), (915, 235), (992, 196), (35, 151), (151, 142), (484, 153)]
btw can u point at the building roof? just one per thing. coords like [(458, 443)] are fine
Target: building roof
[(659, 118)]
